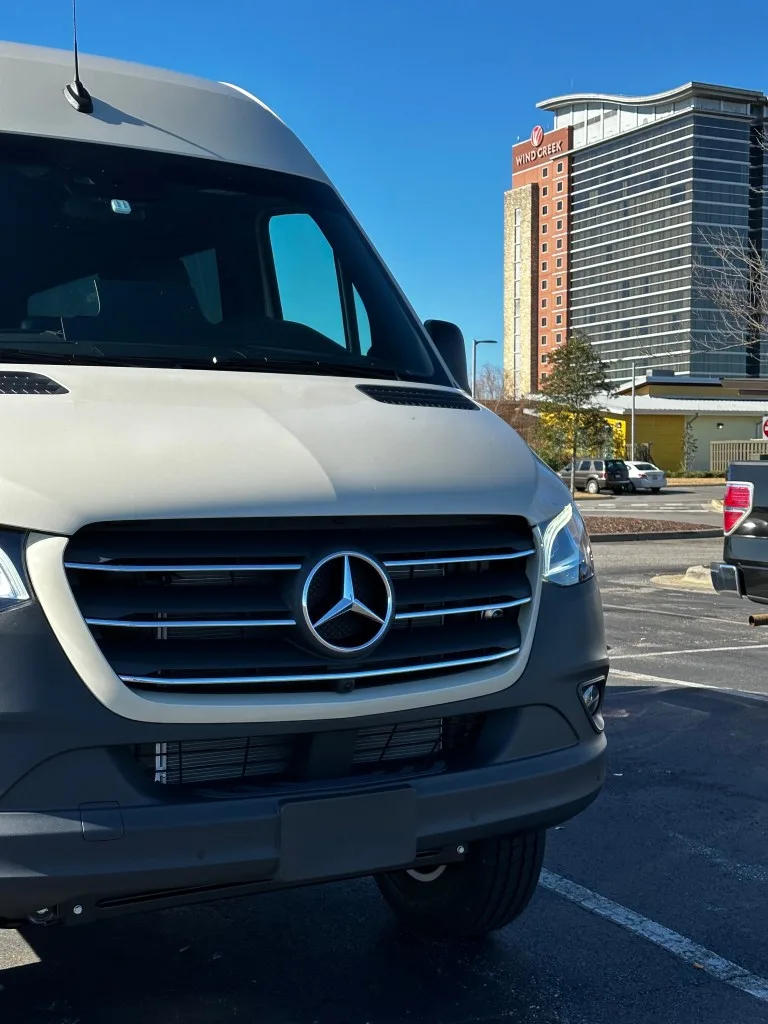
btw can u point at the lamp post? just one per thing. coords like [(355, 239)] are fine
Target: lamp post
[(475, 343), (633, 362), (632, 418)]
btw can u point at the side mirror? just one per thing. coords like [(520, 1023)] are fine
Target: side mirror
[(449, 342)]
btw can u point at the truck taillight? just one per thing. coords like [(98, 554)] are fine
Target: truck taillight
[(737, 504)]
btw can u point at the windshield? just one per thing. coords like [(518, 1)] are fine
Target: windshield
[(130, 257)]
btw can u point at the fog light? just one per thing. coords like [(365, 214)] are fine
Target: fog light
[(592, 698)]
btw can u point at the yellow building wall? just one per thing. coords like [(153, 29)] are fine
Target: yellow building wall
[(664, 433)]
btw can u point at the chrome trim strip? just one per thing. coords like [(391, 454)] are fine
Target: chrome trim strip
[(190, 623), (459, 559), (434, 612), (92, 567), (324, 677)]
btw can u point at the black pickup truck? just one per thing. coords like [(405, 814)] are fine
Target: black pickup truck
[(744, 568)]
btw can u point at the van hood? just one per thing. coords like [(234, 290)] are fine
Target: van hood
[(135, 443)]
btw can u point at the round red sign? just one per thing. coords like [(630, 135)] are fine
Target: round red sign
[(765, 427), (537, 136)]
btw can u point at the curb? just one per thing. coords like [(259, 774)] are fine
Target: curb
[(715, 481), (612, 538)]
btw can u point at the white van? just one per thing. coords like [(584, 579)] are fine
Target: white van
[(279, 603)]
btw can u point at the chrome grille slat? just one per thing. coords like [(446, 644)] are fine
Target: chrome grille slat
[(466, 610), (486, 659), (109, 567), (459, 559), (215, 603), (190, 624)]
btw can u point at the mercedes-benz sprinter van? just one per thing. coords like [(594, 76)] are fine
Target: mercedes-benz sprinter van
[(279, 602)]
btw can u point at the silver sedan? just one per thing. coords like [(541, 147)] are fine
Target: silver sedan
[(644, 476)]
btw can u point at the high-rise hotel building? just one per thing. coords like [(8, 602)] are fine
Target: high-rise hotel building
[(611, 218)]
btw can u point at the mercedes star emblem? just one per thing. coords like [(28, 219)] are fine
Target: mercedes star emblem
[(347, 602)]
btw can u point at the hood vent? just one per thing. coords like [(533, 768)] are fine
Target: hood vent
[(22, 383), (431, 398)]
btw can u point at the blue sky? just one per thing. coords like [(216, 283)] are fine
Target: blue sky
[(412, 106)]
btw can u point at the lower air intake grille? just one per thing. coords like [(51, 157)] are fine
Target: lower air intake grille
[(413, 746), (216, 605)]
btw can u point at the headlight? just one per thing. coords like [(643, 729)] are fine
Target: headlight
[(12, 589), (566, 551)]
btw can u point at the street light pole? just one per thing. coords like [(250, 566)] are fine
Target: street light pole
[(475, 343), (632, 420)]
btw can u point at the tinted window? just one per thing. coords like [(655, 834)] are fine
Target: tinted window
[(615, 464), (599, 466), (135, 257), (644, 466), (307, 282), (585, 465)]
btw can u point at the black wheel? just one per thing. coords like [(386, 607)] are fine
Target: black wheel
[(632, 488), (478, 895), (593, 487), (655, 490)]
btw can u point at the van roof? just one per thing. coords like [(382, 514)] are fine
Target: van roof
[(145, 108)]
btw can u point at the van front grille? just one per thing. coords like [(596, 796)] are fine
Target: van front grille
[(216, 605), (430, 745)]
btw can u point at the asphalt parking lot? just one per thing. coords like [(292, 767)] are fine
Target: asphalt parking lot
[(671, 862), (684, 503)]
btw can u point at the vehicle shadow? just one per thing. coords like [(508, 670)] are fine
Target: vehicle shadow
[(327, 955)]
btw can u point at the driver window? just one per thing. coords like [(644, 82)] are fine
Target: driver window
[(307, 282)]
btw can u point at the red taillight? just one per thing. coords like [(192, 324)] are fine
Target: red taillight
[(737, 504), (642, 476), (602, 476)]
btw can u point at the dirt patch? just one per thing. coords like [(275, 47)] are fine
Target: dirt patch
[(621, 524)]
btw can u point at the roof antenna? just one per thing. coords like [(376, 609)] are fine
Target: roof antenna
[(76, 92)]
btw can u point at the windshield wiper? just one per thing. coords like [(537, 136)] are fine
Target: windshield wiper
[(309, 366), (264, 364)]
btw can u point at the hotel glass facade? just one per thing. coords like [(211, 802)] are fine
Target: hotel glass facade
[(654, 182)]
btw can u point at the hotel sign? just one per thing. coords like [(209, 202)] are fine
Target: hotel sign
[(551, 149)]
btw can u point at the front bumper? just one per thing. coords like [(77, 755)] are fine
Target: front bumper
[(110, 859), (83, 826)]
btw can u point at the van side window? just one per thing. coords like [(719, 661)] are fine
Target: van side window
[(585, 465), (307, 281), (599, 466), (363, 324)]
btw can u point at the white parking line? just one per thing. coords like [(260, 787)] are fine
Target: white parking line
[(683, 948), (665, 681), (691, 650)]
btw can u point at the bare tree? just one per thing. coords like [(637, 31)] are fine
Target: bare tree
[(732, 273), (733, 276), (495, 390), (494, 386)]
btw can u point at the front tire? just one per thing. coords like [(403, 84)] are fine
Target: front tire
[(469, 899), (593, 487)]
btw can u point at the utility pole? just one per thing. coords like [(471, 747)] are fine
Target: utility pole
[(632, 419)]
